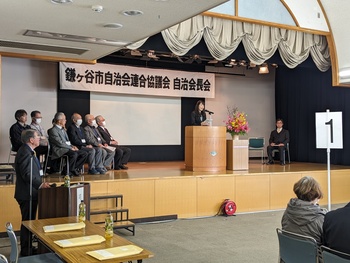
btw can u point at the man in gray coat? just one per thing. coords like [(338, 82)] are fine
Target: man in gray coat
[(94, 138), (61, 145)]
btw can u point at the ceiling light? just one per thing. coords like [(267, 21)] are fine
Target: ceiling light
[(263, 69), (61, 1), (97, 8), (136, 53), (113, 25), (132, 12), (75, 38)]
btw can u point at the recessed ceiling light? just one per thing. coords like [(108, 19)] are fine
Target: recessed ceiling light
[(113, 25), (61, 1), (132, 12)]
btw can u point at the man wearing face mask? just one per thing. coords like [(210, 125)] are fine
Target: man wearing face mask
[(94, 138), (122, 154), (77, 137), (35, 125)]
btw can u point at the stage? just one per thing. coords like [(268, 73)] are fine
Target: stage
[(156, 189)]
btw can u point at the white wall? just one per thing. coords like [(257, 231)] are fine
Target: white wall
[(32, 85), (253, 93), (29, 85)]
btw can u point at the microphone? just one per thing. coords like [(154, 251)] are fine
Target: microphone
[(210, 112)]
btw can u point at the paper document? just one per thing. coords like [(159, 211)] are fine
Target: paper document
[(80, 241), (115, 252), (64, 227)]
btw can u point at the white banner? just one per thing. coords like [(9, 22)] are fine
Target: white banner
[(135, 80)]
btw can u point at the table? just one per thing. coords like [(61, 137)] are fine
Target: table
[(78, 254)]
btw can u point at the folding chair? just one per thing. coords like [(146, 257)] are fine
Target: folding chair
[(295, 248), (285, 150), (14, 256), (257, 144), (333, 256)]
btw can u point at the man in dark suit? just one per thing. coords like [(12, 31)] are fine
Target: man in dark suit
[(61, 145), (336, 229), (28, 169), (17, 128), (122, 154), (278, 140), (76, 135)]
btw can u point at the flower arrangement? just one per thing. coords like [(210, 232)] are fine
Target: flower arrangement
[(236, 123)]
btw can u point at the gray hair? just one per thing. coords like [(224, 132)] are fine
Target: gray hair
[(58, 116), (27, 134)]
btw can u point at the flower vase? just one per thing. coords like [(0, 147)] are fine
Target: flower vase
[(235, 137)]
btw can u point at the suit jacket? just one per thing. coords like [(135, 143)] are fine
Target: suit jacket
[(58, 138), (282, 137), (196, 118), (336, 229), (15, 135), (105, 135), (76, 135), (91, 137), (23, 167)]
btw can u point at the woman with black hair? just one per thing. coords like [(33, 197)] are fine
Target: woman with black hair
[(198, 116)]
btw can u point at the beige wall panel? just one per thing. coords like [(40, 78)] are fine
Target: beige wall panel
[(98, 188), (9, 208), (340, 187), (252, 193), (138, 196), (176, 196), (212, 191), (321, 178), (281, 189)]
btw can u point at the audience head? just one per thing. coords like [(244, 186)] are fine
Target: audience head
[(308, 189), (21, 116), (100, 120), (199, 106), (30, 137), (76, 119), (90, 119), (36, 116), (59, 119)]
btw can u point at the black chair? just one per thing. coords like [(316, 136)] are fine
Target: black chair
[(295, 248), (333, 256)]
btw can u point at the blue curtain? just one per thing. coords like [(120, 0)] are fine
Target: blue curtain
[(299, 94)]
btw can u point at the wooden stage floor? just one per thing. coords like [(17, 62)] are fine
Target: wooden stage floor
[(139, 170)]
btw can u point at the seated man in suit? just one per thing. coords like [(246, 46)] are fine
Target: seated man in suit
[(17, 128), (278, 140), (94, 138), (336, 229), (61, 145), (35, 125), (76, 136), (122, 154)]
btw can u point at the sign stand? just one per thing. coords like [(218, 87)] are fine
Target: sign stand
[(329, 134)]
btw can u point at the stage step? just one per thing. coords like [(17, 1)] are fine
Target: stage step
[(128, 225), (120, 217)]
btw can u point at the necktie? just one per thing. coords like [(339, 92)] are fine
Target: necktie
[(95, 132), (36, 160), (107, 132)]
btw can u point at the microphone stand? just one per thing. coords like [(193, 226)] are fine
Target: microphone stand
[(30, 201)]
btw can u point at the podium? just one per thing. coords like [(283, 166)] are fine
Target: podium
[(205, 148), (237, 154), (63, 201)]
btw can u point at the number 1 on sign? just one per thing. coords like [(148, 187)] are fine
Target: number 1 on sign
[(331, 124)]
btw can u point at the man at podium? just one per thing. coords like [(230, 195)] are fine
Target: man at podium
[(28, 172)]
